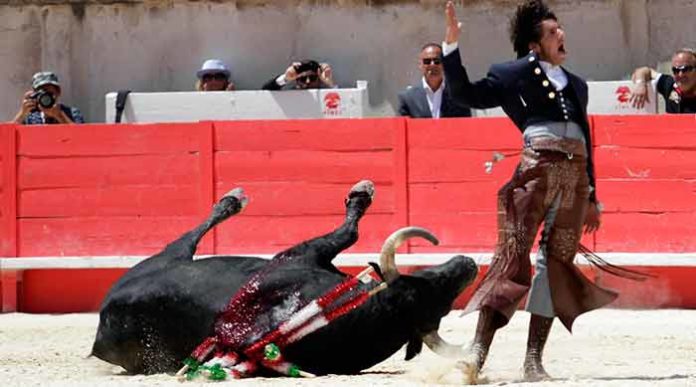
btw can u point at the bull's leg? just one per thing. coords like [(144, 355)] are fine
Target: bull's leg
[(230, 204), (321, 250)]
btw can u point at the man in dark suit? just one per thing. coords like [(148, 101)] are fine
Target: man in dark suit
[(430, 98), (553, 184)]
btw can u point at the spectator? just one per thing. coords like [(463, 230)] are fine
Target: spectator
[(40, 105), (214, 75), (430, 98), (678, 90), (307, 74)]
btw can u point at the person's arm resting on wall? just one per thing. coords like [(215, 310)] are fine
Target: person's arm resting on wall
[(641, 77)]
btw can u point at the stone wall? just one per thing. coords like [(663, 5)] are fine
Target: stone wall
[(101, 46)]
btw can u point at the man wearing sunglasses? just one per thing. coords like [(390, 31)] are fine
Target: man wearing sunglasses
[(214, 75), (308, 74), (678, 89), (430, 98)]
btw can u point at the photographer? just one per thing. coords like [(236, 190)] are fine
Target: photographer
[(40, 105), (307, 74)]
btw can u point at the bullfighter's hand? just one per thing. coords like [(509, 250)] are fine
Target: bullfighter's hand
[(592, 218), (291, 72), (639, 95), (453, 25), (231, 86), (326, 74)]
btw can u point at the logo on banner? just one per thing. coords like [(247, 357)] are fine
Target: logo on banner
[(332, 104), (623, 94)]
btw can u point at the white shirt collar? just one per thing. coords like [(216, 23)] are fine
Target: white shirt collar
[(555, 74), (429, 90), (434, 97)]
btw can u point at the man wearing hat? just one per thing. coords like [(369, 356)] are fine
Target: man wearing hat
[(214, 76), (40, 105)]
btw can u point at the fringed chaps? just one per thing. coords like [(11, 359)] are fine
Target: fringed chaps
[(550, 176)]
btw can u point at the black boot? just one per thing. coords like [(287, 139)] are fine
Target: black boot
[(478, 351), (539, 328)]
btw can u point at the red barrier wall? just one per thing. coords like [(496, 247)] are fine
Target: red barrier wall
[(8, 184), (128, 189), (296, 174), (646, 167)]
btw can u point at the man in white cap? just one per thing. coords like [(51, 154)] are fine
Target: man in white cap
[(214, 75), (40, 105)]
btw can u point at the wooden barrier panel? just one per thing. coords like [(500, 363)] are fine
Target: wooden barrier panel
[(107, 189), (646, 171), (8, 191), (8, 212), (297, 174)]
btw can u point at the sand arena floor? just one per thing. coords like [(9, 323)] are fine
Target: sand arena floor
[(608, 348)]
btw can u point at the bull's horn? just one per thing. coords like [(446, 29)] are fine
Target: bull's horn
[(438, 345), (386, 259)]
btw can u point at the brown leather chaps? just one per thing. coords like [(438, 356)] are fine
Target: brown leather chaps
[(551, 176)]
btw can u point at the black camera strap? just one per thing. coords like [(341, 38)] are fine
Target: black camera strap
[(121, 97)]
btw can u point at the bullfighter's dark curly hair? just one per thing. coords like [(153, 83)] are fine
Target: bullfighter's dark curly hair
[(525, 25)]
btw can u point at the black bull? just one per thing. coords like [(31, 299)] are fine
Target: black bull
[(166, 305)]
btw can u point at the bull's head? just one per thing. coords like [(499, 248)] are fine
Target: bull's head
[(448, 279)]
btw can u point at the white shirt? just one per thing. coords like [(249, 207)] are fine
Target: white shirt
[(555, 74), (434, 97)]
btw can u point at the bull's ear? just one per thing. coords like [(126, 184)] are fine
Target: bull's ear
[(413, 348)]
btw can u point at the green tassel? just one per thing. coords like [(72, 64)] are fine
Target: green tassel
[(192, 363), (194, 368), (217, 373), (271, 352), (294, 371)]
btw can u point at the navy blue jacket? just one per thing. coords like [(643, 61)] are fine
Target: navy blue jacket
[(524, 92)]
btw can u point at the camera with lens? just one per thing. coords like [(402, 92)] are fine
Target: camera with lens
[(44, 98), (307, 65)]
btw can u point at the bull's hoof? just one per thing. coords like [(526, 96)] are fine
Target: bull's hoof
[(230, 204), (237, 193), (363, 187), (535, 373)]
